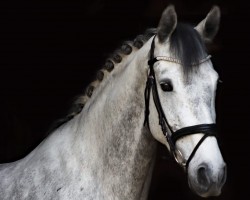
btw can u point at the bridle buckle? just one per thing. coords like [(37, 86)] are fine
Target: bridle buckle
[(179, 158)]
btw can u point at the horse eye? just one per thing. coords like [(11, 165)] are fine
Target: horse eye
[(166, 87)]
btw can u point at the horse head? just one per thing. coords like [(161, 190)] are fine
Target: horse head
[(183, 84)]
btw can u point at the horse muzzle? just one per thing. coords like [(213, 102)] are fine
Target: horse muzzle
[(207, 181)]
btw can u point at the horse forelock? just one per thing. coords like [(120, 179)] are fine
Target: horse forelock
[(187, 46)]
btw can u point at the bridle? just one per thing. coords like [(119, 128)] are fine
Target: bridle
[(170, 135)]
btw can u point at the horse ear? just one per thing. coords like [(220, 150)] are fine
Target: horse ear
[(167, 23), (209, 27)]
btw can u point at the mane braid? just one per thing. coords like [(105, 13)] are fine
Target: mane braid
[(115, 58)]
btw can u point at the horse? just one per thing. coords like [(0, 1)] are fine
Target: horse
[(159, 88)]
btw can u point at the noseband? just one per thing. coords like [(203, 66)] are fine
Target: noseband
[(170, 135)]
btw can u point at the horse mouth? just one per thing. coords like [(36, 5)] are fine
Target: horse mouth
[(208, 190)]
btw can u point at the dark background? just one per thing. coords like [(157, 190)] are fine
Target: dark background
[(50, 51)]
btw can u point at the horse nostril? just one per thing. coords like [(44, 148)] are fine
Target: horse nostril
[(223, 175), (202, 176)]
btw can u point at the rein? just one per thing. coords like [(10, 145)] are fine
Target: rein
[(170, 135)]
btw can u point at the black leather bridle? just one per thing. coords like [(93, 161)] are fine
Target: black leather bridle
[(170, 135)]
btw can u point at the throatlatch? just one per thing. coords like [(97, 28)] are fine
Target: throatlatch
[(170, 135)]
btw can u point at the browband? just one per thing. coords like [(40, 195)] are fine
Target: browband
[(174, 60)]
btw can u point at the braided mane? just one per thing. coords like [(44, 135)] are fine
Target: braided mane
[(110, 64)]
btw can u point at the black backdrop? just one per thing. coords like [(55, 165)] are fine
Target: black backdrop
[(50, 50)]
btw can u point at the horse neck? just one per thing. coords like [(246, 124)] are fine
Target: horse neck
[(111, 135)]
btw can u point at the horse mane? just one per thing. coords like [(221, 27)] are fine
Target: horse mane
[(185, 44), (116, 57)]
